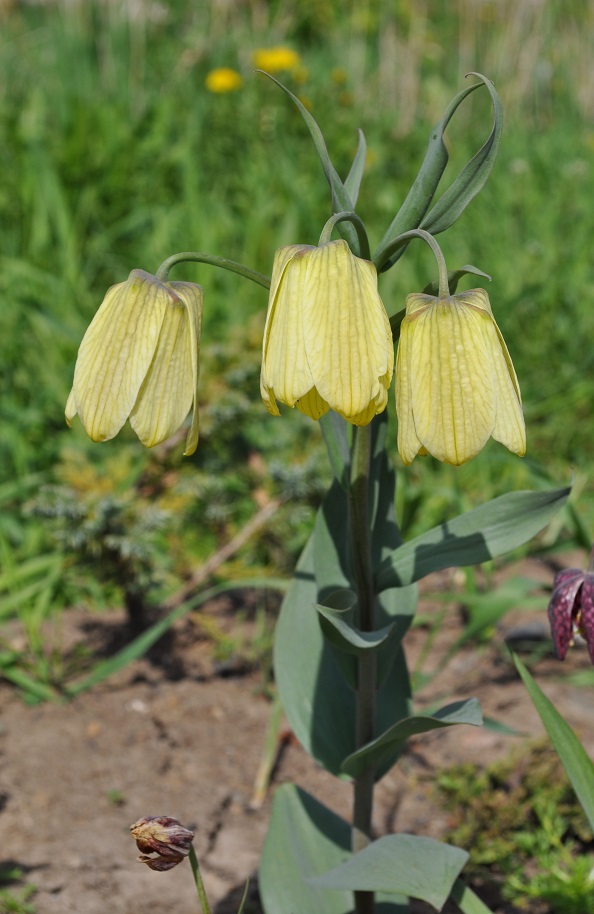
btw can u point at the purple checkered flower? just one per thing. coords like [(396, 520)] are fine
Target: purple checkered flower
[(571, 608)]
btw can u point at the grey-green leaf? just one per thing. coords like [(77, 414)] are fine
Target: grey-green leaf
[(334, 430), (574, 759), (421, 194), (305, 839), (473, 176), (477, 536), (459, 712), (353, 180), (404, 864), (339, 630), (312, 679)]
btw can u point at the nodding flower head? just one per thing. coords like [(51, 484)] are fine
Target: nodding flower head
[(571, 609), (455, 382), (139, 361), (327, 340), (162, 841)]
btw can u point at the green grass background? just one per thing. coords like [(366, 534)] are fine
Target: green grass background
[(113, 155)]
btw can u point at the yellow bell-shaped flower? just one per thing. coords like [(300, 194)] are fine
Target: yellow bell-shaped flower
[(327, 340), (455, 382), (139, 360)]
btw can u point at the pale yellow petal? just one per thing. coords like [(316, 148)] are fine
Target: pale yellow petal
[(268, 397), (285, 372), (167, 393), (312, 405), (193, 297), (70, 410), (452, 386), (282, 258), (347, 333), (116, 353), (509, 426), (408, 440), (475, 298)]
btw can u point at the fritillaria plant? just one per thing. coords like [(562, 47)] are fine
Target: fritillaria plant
[(328, 350)]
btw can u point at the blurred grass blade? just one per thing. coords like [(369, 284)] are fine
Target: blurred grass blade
[(577, 764), (341, 200), (140, 645), (17, 592), (33, 689)]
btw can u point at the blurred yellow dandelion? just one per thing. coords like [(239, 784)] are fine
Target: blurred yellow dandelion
[(223, 79), (275, 60)]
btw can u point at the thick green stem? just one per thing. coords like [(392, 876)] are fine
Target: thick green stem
[(214, 261), (366, 685), (198, 880), (355, 220), (401, 240)]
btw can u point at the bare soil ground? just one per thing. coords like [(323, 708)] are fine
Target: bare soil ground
[(172, 736)]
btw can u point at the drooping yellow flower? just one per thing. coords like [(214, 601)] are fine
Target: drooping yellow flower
[(327, 339), (276, 60), (455, 382), (139, 360), (223, 79)]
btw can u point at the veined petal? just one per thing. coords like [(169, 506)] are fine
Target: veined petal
[(312, 405), (282, 258), (347, 333), (193, 297), (452, 387), (285, 371), (561, 610), (509, 427), (167, 392), (587, 613), (408, 440), (70, 410), (116, 353)]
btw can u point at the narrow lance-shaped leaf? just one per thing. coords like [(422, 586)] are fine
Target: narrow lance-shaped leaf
[(353, 180), (419, 197), (341, 200), (473, 176), (339, 630), (373, 754), (334, 430), (477, 536), (574, 759)]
